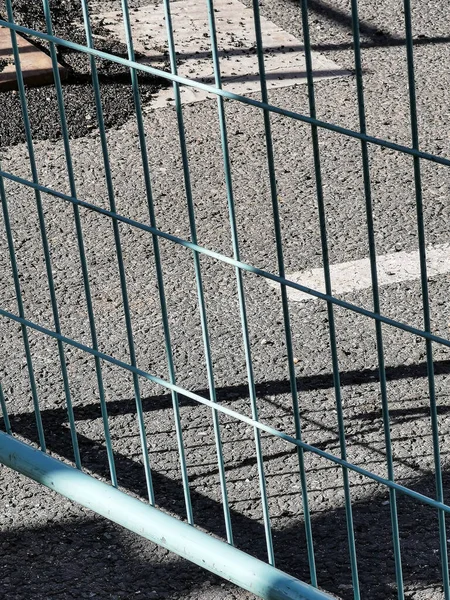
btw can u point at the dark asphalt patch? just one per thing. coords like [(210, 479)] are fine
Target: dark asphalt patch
[(115, 82)]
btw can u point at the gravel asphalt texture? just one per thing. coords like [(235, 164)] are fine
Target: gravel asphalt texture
[(52, 548), (117, 95)]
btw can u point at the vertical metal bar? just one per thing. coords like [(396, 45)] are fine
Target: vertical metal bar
[(376, 299), (328, 288), (19, 300), (159, 272), (4, 411), (239, 278), (118, 246), (425, 295), (198, 275), (46, 249), (284, 298), (80, 240), (45, 245)]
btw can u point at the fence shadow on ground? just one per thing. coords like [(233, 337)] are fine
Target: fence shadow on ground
[(372, 36), (80, 550)]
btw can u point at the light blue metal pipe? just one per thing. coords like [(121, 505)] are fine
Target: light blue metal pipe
[(200, 548)]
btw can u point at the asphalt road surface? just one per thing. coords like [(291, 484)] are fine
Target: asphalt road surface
[(52, 548)]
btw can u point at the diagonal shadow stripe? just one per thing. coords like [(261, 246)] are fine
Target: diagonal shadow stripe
[(344, 19), (272, 387), (249, 533)]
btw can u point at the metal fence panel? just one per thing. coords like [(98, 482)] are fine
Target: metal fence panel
[(224, 559)]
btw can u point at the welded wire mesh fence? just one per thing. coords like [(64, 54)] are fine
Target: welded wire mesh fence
[(191, 245)]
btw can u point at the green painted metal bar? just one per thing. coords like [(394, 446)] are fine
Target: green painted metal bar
[(81, 247), (20, 308), (198, 274), (157, 255), (231, 413), (229, 95), (4, 411), (119, 254), (192, 544), (45, 244), (330, 308), (376, 300), (239, 276), (235, 263), (284, 298), (425, 296)]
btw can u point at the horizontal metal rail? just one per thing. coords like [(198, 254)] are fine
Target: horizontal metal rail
[(227, 411), (229, 95), (149, 522), (231, 261)]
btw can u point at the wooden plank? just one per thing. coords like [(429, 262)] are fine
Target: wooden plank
[(36, 65)]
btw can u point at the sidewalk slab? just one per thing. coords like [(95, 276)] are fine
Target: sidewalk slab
[(283, 52)]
